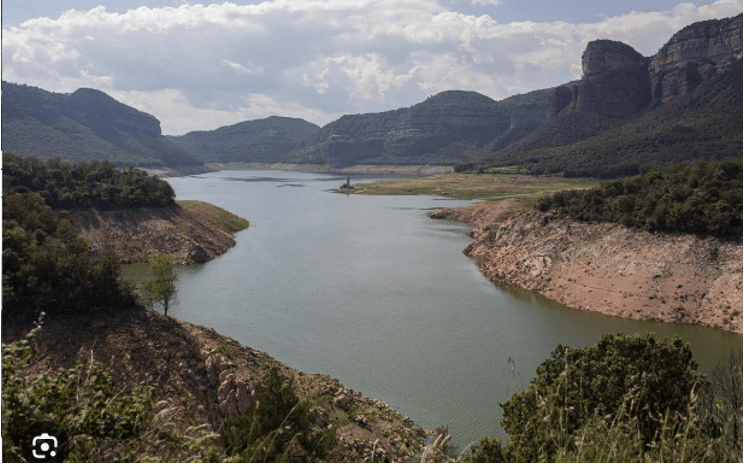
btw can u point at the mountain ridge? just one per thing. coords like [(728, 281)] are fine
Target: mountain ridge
[(265, 140), (87, 125)]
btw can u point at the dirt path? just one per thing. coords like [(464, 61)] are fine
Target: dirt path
[(608, 268)]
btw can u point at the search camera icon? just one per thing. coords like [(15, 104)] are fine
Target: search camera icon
[(44, 446), (43, 442)]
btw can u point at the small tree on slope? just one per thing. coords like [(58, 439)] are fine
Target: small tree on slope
[(161, 287)]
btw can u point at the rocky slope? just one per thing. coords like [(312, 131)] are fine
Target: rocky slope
[(203, 378), (447, 128), (86, 125), (266, 140), (192, 232), (608, 268)]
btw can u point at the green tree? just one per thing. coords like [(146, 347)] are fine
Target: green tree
[(161, 287), (578, 388)]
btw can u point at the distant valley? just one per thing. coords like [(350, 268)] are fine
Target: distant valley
[(627, 114)]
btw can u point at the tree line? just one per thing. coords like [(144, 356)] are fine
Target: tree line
[(98, 184), (47, 267), (705, 198)]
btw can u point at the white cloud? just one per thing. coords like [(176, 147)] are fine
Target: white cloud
[(213, 65), (250, 68)]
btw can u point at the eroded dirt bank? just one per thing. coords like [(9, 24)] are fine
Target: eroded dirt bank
[(608, 268), (192, 232)]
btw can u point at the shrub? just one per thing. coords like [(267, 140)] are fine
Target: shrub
[(79, 404), (276, 426)]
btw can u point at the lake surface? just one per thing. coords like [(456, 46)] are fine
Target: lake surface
[(370, 290)]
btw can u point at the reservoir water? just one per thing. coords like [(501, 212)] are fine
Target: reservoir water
[(372, 291)]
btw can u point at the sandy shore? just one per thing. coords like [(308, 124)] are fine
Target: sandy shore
[(608, 268)]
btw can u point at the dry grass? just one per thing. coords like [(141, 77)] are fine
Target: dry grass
[(468, 186)]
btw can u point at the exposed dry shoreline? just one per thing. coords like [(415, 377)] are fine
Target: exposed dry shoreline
[(608, 268), (412, 170), (192, 232)]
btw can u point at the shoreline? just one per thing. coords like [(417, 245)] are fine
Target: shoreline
[(193, 232), (366, 169), (607, 268)]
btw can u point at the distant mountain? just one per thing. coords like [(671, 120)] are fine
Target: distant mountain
[(260, 141), (629, 114), (86, 125), (447, 128)]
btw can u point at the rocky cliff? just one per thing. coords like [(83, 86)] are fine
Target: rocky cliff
[(266, 140), (693, 55), (615, 83), (618, 81), (86, 125), (447, 128)]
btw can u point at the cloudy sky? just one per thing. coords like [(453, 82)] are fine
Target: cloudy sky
[(201, 66)]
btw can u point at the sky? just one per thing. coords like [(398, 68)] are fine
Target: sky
[(199, 66)]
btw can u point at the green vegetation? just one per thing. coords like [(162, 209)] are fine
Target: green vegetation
[(276, 427), (47, 267), (625, 399), (704, 125), (81, 402), (161, 287), (98, 184), (705, 198)]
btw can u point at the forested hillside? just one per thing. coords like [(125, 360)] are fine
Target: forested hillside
[(98, 184), (260, 141), (704, 125), (86, 125), (705, 198)]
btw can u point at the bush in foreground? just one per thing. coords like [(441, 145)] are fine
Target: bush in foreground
[(625, 399)]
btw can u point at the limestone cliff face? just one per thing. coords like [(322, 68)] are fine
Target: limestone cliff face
[(618, 81), (694, 55), (615, 82), (447, 128)]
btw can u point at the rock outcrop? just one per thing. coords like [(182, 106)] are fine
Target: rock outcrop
[(618, 81), (694, 55), (87, 125), (560, 99), (615, 82)]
